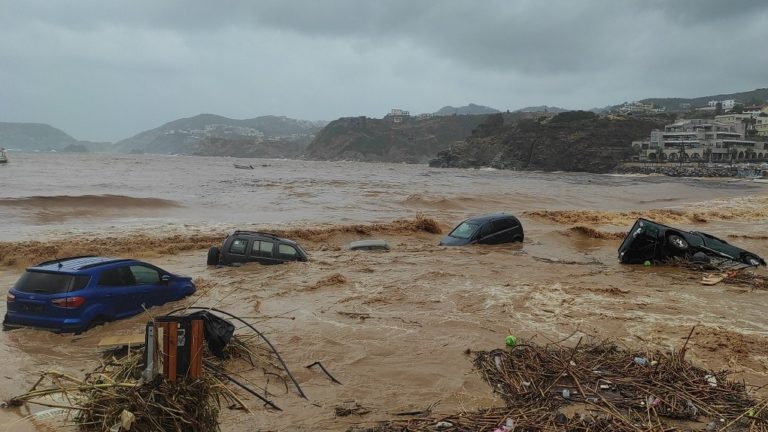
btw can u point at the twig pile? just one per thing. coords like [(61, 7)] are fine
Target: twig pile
[(113, 394), (606, 388), (160, 405), (748, 280), (736, 273)]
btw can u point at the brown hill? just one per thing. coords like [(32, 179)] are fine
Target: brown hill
[(569, 141), (410, 139)]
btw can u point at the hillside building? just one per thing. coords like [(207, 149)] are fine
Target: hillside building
[(397, 115), (629, 108)]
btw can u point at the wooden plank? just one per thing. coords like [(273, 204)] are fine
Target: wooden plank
[(121, 340), (713, 279), (196, 349)]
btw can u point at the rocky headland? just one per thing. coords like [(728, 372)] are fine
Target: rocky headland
[(569, 141)]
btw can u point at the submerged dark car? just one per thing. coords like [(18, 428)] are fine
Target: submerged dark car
[(649, 241), (252, 246), (493, 228)]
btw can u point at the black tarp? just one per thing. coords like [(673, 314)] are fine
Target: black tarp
[(217, 330)]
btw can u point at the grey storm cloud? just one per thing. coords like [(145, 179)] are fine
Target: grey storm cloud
[(105, 70)]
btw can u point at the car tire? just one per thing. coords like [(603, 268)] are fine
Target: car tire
[(751, 260), (677, 242), (213, 256)]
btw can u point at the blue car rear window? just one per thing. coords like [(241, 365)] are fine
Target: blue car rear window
[(50, 283)]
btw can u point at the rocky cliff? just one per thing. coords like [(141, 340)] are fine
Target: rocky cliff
[(570, 141), (391, 139)]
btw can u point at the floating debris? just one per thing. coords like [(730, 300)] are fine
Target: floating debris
[(604, 388)]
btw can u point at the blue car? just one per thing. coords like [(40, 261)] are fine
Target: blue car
[(75, 294)]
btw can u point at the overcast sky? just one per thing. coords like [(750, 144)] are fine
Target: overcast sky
[(105, 70)]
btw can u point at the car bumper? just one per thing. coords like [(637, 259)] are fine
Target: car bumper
[(62, 325)]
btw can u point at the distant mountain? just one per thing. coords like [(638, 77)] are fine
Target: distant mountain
[(33, 136), (204, 133), (391, 139), (542, 108), (470, 109), (758, 96)]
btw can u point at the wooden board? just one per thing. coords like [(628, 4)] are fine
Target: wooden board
[(121, 340), (713, 279)]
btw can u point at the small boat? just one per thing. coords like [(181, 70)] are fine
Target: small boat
[(3, 156), (243, 166)]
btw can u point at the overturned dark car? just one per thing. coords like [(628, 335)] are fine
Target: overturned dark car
[(651, 241)]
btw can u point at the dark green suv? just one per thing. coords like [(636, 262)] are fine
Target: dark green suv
[(649, 241), (253, 246)]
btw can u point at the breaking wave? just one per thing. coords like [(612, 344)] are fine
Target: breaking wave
[(751, 208), (89, 201), (586, 231), (142, 244)]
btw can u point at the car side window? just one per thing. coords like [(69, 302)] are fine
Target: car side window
[(486, 230), (262, 249), (238, 246), (285, 251), (145, 275), (120, 276)]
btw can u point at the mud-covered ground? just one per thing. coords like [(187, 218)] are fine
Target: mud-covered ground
[(394, 327)]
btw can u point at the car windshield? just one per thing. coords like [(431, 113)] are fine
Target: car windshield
[(464, 230), (49, 283)]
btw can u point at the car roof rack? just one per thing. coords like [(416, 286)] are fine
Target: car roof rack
[(58, 260), (265, 234), (100, 263)]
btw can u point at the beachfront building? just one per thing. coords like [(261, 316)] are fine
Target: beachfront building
[(701, 140)]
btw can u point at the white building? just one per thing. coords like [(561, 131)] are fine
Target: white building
[(701, 140), (726, 104)]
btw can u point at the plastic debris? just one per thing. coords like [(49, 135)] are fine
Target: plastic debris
[(711, 380), (566, 394), (691, 408), (443, 425), (511, 341), (126, 419), (641, 361)]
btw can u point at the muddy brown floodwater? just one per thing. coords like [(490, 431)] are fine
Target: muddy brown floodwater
[(393, 327)]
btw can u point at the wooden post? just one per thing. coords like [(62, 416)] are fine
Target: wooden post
[(170, 340)]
